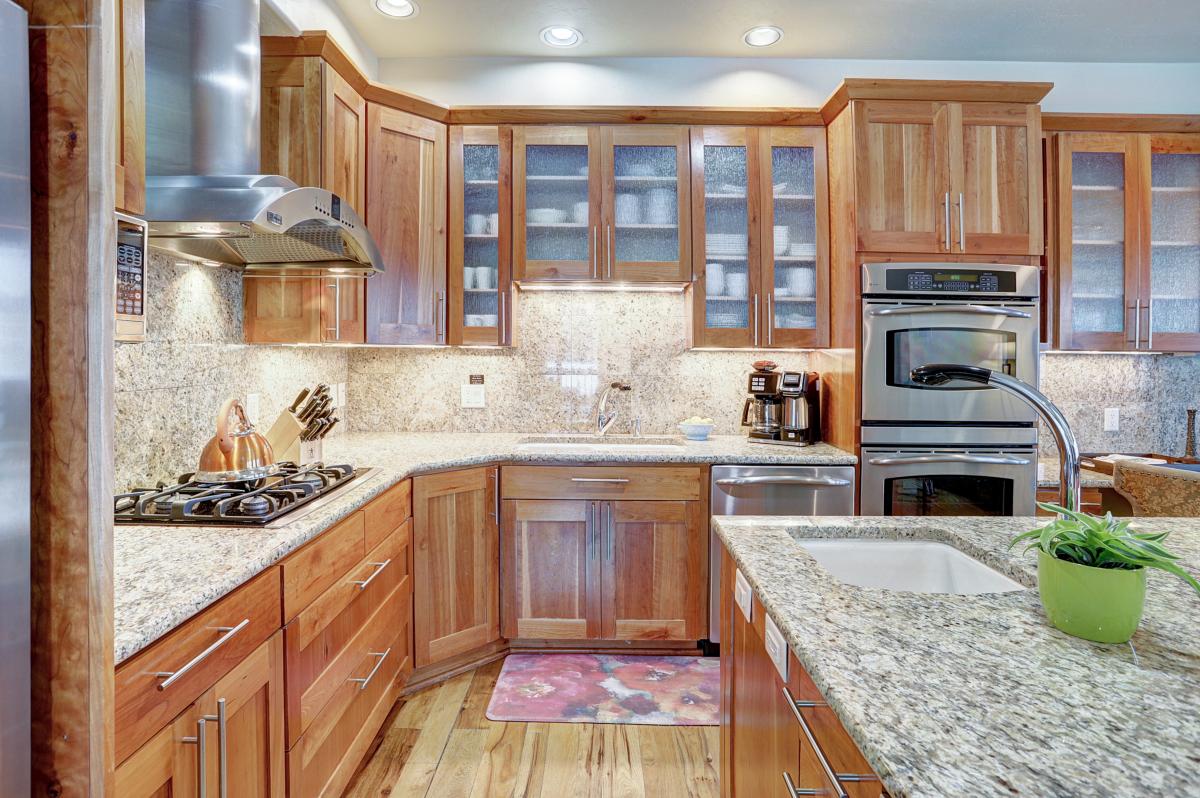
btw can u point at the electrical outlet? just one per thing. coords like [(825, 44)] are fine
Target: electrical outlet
[(472, 396), (1112, 419), (252, 402)]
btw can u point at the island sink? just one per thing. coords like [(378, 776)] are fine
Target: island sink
[(915, 566)]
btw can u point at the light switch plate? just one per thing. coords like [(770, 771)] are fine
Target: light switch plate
[(472, 396), (1112, 419), (252, 403)]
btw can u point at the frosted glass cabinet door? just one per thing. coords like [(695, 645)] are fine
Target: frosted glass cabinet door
[(1173, 306), (725, 200), (556, 203), (795, 257), (646, 205), (480, 235), (1098, 248)]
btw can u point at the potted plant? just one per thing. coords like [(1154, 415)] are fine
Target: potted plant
[(1092, 572)]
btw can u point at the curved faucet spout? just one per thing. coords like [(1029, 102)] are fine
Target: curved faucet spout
[(934, 374), (604, 420)]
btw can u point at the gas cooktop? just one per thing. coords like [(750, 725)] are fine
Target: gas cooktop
[(252, 502)]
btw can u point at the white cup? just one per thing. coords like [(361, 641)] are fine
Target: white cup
[(580, 211), (468, 277), (801, 281), (476, 223), (492, 225), (737, 284), (483, 277), (628, 208)]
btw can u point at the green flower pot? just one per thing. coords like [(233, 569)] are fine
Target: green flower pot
[(1100, 604)]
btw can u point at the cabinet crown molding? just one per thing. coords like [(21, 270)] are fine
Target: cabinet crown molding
[(997, 91)]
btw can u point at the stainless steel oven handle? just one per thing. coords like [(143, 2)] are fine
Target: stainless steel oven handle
[(815, 482), (974, 310), (949, 457)]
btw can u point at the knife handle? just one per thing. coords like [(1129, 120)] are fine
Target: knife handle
[(299, 399)]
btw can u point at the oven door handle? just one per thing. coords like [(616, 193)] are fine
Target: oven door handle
[(977, 310), (813, 482), (949, 457)]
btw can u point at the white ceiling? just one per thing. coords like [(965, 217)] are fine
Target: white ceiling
[(986, 30)]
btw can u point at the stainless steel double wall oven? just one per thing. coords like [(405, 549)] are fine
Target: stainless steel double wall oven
[(958, 449)]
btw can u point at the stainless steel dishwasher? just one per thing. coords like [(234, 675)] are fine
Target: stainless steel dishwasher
[(772, 490)]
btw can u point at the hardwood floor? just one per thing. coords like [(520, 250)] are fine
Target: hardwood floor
[(440, 744)]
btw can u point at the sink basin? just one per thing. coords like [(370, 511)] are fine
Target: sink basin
[(549, 444), (916, 566)]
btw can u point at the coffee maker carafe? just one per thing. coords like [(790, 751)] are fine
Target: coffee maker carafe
[(762, 412), (784, 408)]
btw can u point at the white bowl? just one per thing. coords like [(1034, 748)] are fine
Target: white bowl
[(696, 432)]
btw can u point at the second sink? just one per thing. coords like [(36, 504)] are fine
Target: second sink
[(549, 444), (915, 566)]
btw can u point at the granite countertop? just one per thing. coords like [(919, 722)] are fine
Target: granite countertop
[(1048, 475), (979, 695), (165, 574)]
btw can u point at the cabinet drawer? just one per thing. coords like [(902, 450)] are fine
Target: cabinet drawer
[(324, 561), (835, 742), (602, 482), (387, 512), (327, 755), (326, 640), (198, 653)]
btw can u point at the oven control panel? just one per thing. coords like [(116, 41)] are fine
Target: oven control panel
[(973, 281)]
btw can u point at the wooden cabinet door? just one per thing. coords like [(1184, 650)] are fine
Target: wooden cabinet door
[(343, 140), (130, 139), (480, 272), (795, 237), (251, 742), (1099, 241), (655, 566), (726, 276), (343, 309), (645, 204), (754, 720), (995, 179), (281, 310), (291, 118), (557, 204), (551, 569), (902, 179), (1170, 284), (167, 765), (406, 215), (455, 563)]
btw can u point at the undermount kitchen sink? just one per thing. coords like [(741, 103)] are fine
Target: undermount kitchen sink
[(915, 566), (550, 444)]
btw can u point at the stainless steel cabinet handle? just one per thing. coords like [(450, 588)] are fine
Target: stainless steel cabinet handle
[(336, 329), (440, 321), (950, 457), (794, 791), (610, 243), (500, 317), (222, 747), (962, 234), (170, 677), (379, 566), (946, 208), (610, 480), (974, 310), (494, 476), (593, 531), (201, 757), (612, 531), (1150, 322), (366, 680), (829, 774), (770, 318), (1137, 323), (756, 319), (596, 251), (816, 482)]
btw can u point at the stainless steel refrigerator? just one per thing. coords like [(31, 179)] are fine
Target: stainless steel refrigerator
[(15, 322)]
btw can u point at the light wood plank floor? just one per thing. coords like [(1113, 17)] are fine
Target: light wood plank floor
[(440, 744)]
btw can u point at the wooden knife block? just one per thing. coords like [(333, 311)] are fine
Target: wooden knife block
[(284, 437)]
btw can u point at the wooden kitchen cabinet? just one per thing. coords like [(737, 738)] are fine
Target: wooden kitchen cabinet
[(288, 309), (456, 556), (1128, 249), (406, 214), (166, 766), (760, 215), (601, 204), (480, 271), (130, 138)]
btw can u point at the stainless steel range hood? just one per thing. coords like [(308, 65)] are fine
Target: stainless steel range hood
[(204, 198)]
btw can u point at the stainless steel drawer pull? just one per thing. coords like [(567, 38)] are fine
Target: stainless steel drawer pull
[(222, 747), (609, 480), (379, 566), (808, 735), (794, 791), (366, 680), (950, 457), (974, 310), (170, 677), (816, 482), (201, 755)]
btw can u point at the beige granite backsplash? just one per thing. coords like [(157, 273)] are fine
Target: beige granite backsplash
[(169, 388)]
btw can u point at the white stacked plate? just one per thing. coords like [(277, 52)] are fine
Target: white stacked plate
[(725, 244), (661, 207), (803, 249), (783, 235), (546, 215)]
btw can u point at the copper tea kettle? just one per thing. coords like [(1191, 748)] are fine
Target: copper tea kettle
[(237, 452)]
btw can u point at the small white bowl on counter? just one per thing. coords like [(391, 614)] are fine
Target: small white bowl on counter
[(695, 431)]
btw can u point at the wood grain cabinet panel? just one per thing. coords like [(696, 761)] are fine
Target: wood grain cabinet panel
[(406, 214), (684, 483), (456, 543), (280, 310), (321, 563), (551, 571), (166, 766), (385, 514), (130, 139), (655, 571)]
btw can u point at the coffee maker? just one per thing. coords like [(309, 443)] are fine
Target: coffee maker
[(785, 407)]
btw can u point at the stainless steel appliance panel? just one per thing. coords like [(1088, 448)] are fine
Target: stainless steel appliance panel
[(965, 480), (15, 326), (772, 490)]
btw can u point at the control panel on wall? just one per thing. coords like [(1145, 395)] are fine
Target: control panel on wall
[(130, 323)]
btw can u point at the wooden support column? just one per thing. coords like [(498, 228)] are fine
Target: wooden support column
[(72, 73)]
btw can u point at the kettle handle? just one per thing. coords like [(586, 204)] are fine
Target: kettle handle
[(746, 414), (227, 409)]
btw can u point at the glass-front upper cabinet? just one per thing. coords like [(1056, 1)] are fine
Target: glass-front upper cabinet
[(556, 204), (1173, 293), (761, 249), (646, 205), (480, 278)]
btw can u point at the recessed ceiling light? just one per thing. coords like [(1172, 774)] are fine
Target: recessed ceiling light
[(763, 36), (561, 36), (397, 8)]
